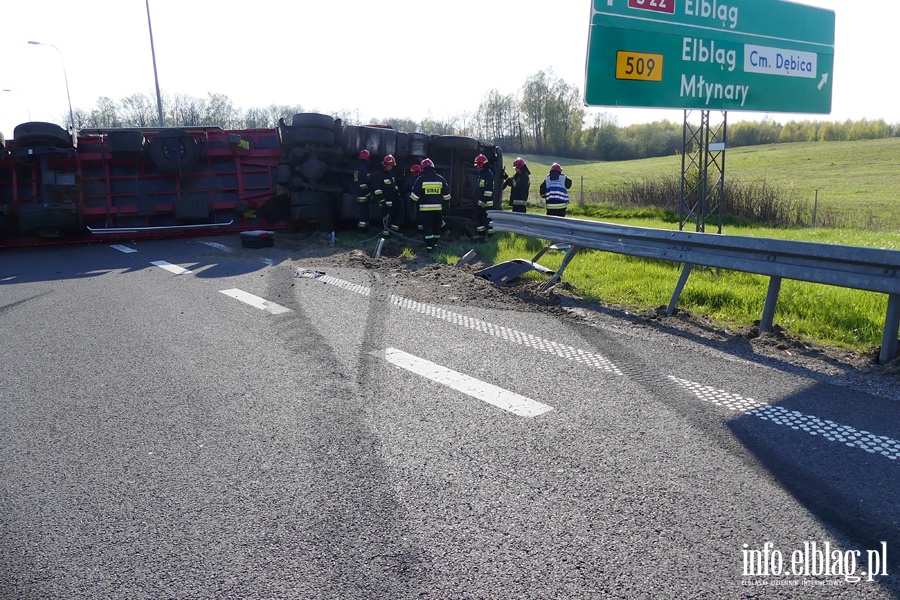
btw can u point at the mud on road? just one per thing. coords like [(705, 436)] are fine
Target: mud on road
[(425, 279)]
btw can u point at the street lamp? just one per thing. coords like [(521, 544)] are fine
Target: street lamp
[(69, 96), (155, 75), (27, 103)]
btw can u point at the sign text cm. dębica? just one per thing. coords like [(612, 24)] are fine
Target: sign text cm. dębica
[(754, 55)]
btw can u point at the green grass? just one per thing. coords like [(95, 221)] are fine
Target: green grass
[(825, 315)]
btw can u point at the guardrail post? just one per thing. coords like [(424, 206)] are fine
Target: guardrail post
[(891, 330), (685, 273), (573, 250), (768, 316)]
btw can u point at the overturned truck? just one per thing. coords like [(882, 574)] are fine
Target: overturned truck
[(61, 186)]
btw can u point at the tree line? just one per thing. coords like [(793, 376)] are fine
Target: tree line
[(546, 116)]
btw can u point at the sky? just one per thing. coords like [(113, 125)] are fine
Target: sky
[(374, 60)]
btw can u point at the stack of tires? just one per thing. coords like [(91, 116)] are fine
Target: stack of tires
[(318, 155), (305, 171)]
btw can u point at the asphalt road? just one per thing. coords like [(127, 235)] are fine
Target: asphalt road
[(190, 419)]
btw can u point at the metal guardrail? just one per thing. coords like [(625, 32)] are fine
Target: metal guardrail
[(870, 269)]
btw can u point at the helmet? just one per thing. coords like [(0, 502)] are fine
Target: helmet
[(364, 154), (414, 168), (519, 163), (556, 167), (480, 160), (388, 161), (427, 163)]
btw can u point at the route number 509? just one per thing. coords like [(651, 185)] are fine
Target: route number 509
[(639, 66)]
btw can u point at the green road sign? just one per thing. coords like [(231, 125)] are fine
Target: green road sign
[(752, 55)]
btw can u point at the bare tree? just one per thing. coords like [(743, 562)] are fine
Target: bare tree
[(185, 111), (220, 111), (138, 111)]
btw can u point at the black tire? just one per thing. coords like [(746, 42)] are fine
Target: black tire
[(322, 199), (402, 145), (352, 140), (418, 145), (37, 133), (283, 174), (313, 121), (174, 151), (310, 135), (454, 142)]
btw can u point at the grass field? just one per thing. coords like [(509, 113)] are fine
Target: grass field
[(861, 179)]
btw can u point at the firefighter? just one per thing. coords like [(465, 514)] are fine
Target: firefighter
[(484, 197), (406, 187), (429, 192), (387, 193), (520, 184), (361, 191), (555, 191)]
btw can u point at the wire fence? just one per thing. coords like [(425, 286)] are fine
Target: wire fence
[(758, 202)]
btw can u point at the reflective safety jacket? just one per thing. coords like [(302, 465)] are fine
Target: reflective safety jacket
[(484, 194), (556, 191), (384, 187), (430, 191), (361, 180)]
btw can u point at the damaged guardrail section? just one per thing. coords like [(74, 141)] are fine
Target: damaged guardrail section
[(871, 269)]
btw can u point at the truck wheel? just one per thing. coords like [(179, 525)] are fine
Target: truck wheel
[(454, 142), (351, 140), (283, 174), (418, 145), (174, 151), (313, 120), (310, 135), (37, 133)]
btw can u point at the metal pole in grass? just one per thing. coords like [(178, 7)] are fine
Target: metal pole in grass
[(582, 190), (815, 208)]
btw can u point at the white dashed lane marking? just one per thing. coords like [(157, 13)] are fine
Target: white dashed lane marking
[(170, 267), (493, 395), (256, 301), (511, 335), (121, 248), (831, 431), (217, 246)]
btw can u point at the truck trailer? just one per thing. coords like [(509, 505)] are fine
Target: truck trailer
[(60, 186)]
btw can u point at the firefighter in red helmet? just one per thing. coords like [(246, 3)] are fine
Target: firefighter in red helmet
[(520, 184), (430, 192), (484, 197), (386, 190), (406, 187)]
